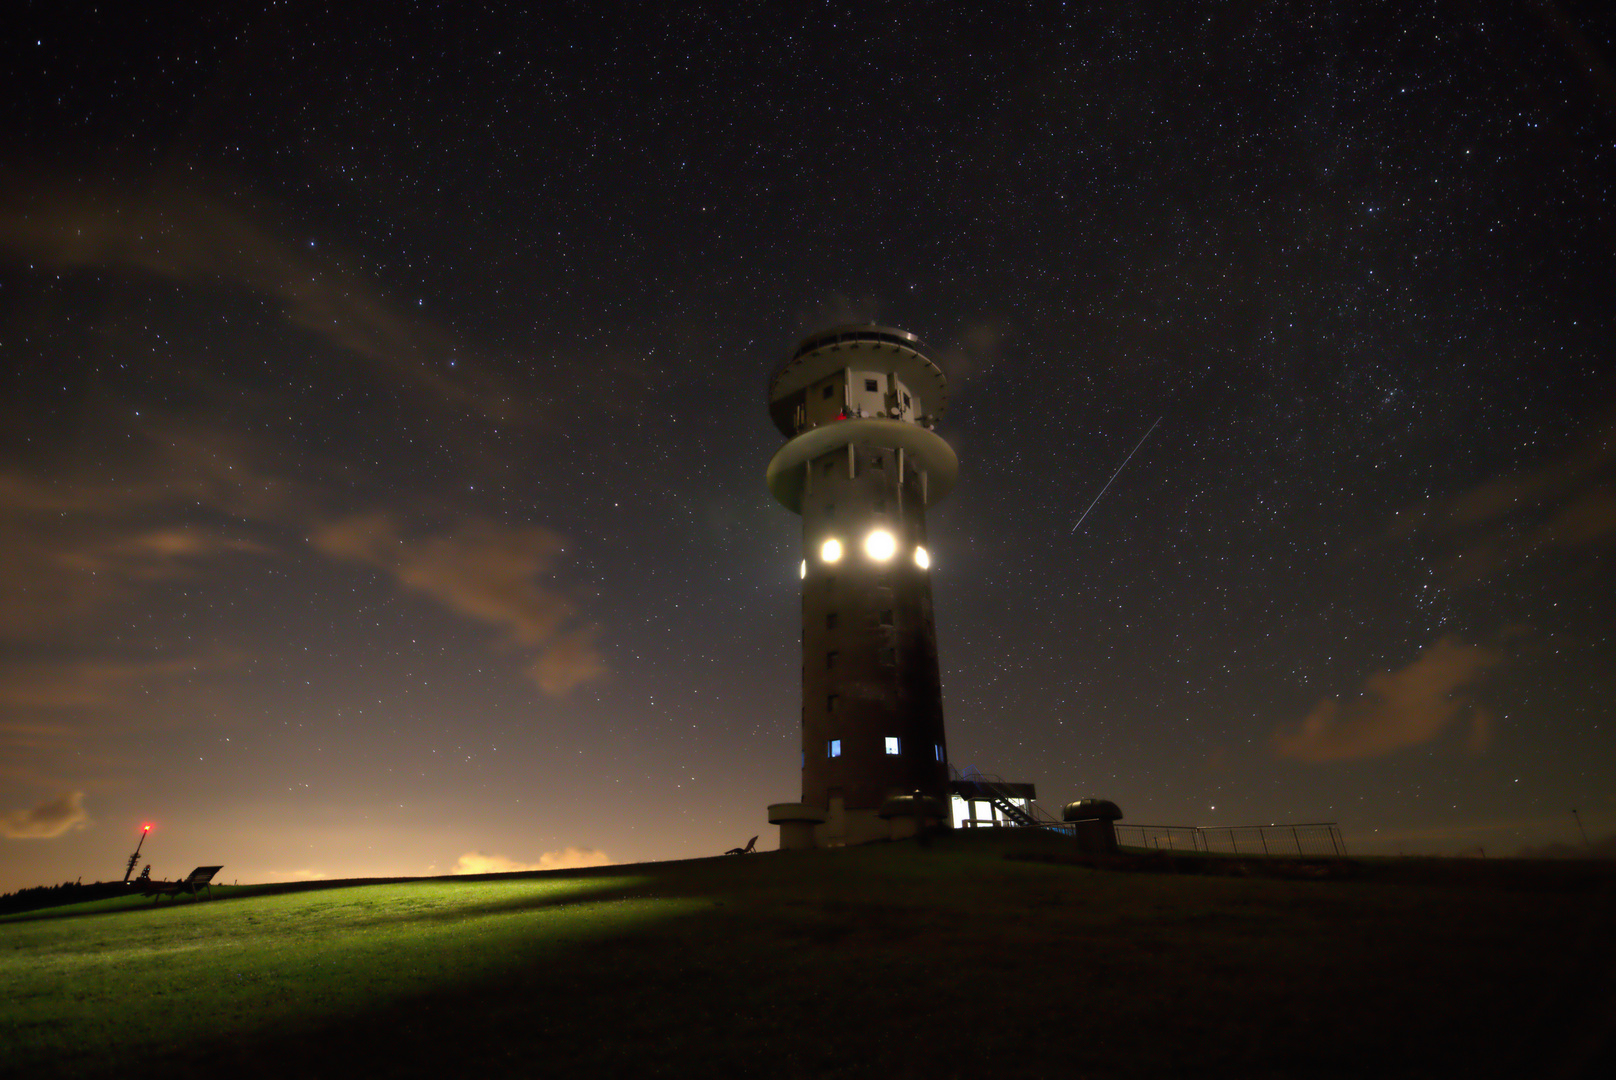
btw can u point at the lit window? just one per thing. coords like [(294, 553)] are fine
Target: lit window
[(892, 744), (802, 571), (830, 550), (939, 751), (880, 545), (834, 749), (922, 558)]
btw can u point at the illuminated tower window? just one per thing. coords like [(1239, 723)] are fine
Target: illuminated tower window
[(833, 748), (892, 744)]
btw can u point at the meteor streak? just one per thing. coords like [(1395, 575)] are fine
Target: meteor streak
[(1114, 475)]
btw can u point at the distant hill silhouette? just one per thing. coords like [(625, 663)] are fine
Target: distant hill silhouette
[(69, 892), (1599, 849)]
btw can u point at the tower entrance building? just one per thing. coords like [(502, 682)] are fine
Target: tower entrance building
[(858, 404)]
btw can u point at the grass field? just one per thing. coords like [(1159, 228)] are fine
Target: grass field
[(976, 953)]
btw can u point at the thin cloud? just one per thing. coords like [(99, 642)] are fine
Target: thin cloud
[(79, 544), (82, 541), (570, 858), (979, 346), (48, 820), (838, 309), (493, 573), (1565, 505), (95, 683), (1397, 709), (570, 660), (198, 240)]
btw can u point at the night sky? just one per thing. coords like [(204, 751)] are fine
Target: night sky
[(384, 420)]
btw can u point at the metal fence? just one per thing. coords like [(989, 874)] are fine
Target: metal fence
[(1317, 838)]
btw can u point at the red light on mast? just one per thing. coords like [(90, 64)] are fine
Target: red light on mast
[(145, 828)]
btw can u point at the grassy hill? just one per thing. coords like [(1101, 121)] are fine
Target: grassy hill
[(979, 953)]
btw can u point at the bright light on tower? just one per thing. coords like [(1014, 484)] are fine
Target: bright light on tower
[(880, 545), (922, 559), (831, 550)]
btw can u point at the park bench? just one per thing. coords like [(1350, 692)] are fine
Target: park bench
[(200, 878)]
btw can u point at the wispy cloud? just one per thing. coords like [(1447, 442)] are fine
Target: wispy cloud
[(978, 347), (837, 309), (89, 538), (496, 574), (78, 544), (1397, 709), (99, 682), (1564, 505), (570, 858), (49, 819), (199, 239)]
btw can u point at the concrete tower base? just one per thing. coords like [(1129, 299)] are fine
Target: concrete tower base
[(797, 824), (899, 818)]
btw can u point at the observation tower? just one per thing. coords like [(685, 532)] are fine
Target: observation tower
[(858, 404)]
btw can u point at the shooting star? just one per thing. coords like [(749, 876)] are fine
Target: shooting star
[(1114, 476)]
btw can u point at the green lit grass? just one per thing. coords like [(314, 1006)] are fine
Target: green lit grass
[(99, 985), (885, 961)]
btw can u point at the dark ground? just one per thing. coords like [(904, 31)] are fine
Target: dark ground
[(998, 954)]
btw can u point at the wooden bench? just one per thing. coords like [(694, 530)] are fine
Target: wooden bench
[(200, 878)]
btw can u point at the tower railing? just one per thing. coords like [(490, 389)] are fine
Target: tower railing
[(1312, 838)]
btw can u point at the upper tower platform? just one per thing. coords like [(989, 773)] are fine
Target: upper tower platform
[(859, 385), (919, 388)]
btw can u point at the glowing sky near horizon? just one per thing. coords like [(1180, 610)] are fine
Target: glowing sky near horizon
[(384, 428)]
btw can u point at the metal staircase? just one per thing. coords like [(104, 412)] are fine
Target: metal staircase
[(1012, 811), (995, 791)]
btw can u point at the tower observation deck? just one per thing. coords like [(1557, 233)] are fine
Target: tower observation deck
[(857, 404)]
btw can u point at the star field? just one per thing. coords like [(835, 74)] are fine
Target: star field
[(381, 476)]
